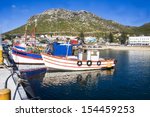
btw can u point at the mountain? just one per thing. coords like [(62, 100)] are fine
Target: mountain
[(142, 30), (61, 20)]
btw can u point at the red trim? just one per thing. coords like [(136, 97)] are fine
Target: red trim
[(58, 57), (65, 58), (27, 57), (30, 63), (61, 61), (95, 62), (24, 51), (73, 66)]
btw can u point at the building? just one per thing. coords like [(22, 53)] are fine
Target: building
[(141, 40)]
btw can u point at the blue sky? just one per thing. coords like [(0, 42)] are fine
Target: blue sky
[(14, 13)]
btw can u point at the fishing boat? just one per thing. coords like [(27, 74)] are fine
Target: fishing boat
[(21, 47), (22, 57), (89, 60), (26, 54), (27, 59)]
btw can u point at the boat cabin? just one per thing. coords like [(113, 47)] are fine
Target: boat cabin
[(89, 54), (59, 49)]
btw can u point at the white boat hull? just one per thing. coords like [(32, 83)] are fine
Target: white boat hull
[(63, 63), (25, 60)]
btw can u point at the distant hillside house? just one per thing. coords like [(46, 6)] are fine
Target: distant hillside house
[(141, 40)]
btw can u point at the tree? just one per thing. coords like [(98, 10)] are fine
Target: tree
[(111, 38), (51, 34), (7, 36), (81, 36), (105, 37), (123, 38), (98, 36)]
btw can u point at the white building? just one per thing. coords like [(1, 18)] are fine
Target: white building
[(141, 40)]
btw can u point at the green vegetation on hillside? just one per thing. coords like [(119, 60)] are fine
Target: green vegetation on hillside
[(142, 30), (60, 20), (65, 22)]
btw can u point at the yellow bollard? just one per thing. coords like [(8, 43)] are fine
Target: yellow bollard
[(1, 55), (5, 94)]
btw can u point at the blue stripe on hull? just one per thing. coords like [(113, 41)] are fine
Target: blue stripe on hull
[(19, 47), (26, 54)]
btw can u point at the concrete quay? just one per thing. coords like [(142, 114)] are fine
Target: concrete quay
[(17, 91), (10, 78)]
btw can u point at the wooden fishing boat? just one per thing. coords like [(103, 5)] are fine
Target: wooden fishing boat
[(91, 62), (26, 53), (22, 57), (19, 48), (26, 60)]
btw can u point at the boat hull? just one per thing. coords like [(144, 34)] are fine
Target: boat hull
[(20, 48), (63, 63), (22, 57), (25, 60)]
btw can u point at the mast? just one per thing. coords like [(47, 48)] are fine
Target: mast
[(25, 34), (33, 31)]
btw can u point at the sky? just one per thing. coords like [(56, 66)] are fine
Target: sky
[(14, 13)]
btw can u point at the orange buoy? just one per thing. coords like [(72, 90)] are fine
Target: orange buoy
[(109, 65), (5, 94)]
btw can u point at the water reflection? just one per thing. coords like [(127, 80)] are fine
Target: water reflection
[(81, 81), (65, 78)]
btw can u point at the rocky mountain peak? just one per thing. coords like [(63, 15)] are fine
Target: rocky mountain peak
[(62, 20), (55, 11)]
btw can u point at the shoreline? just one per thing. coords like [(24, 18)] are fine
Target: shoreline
[(136, 48)]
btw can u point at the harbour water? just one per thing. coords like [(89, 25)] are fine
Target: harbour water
[(130, 80)]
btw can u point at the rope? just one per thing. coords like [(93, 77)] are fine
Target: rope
[(16, 91), (6, 82), (17, 86)]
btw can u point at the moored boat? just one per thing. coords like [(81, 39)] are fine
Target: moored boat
[(90, 61), (29, 59), (26, 53), (25, 60), (22, 57)]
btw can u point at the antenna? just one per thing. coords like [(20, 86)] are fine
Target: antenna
[(25, 34)]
